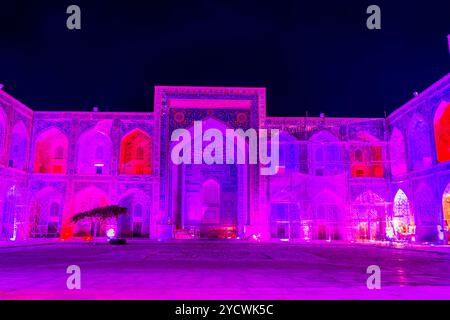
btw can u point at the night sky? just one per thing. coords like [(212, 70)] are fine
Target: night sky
[(310, 55)]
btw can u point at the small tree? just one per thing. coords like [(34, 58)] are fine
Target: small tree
[(97, 215)]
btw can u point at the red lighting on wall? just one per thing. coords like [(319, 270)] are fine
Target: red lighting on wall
[(135, 153), (442, 132), (367, 162)]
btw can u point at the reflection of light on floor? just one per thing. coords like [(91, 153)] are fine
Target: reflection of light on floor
[(14, 235), (402, 275), (207, 270)]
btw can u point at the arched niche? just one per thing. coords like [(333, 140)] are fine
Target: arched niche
[(325, 154), (442, 132), (18, 152), (136, 153), (94, 153)]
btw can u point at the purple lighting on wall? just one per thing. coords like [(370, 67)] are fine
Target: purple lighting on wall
[(339, 179), (448, 41)]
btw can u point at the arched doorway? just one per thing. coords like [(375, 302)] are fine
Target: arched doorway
[(403, 220), (327, 217), (369, 211), (13, 226), (87, 199), (135, 223), (210, 202), (284, 220), (46, 213), (446, 210)]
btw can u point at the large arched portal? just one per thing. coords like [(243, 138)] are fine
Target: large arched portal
[(206, 196), (283, 188)]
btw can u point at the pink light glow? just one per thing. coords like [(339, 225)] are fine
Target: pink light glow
[(111, 233), (343, 183), (340, 179)]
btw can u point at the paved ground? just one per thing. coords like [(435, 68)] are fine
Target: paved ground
[(222, 270)]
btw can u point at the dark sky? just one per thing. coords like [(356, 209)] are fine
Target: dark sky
[(310, 55)]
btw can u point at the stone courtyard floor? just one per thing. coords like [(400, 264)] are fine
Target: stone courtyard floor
[(222, 270)]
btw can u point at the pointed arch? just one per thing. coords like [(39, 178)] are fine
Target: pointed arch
[(419, 143), (13, 208), (89, 198), (325, 154), (368, 217), (289, 157), (86, 199), (425, 207), (213, 123), (46, 213), (3, 130), (366, 156), (328, 216), (136, 153), (18, 152), (446, 210), (209, 218), (135, 223), (397, 153), (94, 152), (442, 131), (210, 191), (51, 152), (369, 197), (403, 219)]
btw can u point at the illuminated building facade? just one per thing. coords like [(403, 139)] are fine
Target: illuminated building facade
[(349, 179)]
